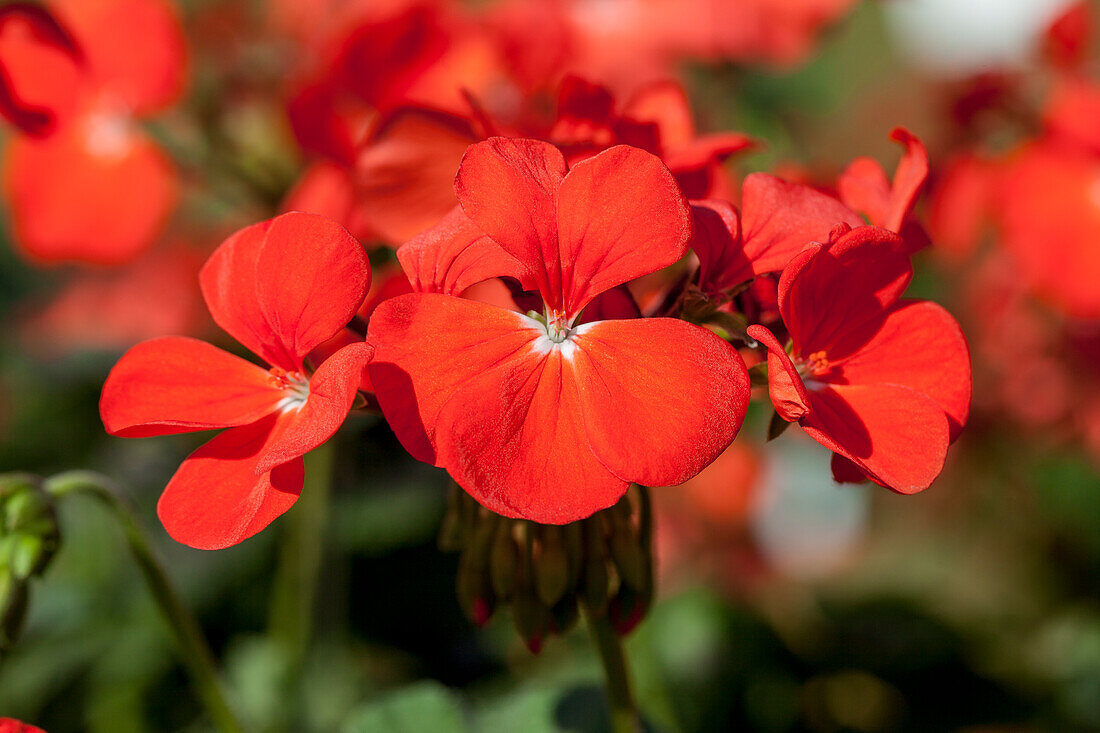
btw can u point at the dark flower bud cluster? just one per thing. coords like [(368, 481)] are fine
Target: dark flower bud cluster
[(549, 574)]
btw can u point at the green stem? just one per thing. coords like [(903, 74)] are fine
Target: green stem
[(294, 591), (195, 653), (620, 699)]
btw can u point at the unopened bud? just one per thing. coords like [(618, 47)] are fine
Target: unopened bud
[(551, 566), (596, 578), (504, 561), (564, 614), (530, 617), (453, 530), (13, 608), (472, 584)]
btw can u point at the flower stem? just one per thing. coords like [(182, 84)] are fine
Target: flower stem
[(620, 698), (294, 591), (195, 653)]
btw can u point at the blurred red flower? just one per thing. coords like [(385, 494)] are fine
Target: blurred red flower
[(94, 188)]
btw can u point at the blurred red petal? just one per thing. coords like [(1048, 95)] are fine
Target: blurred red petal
[(135, 49), (405, 172), (115, 309), (97, 191), (41, 74)]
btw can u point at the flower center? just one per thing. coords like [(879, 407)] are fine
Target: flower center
[(557, 327), (295, 385), (814, 365)]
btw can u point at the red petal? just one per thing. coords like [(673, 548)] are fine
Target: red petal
[(228, 281), (332, 390), (660, 398), (427, 346), (620, 216), (909, 178), (509, 188), (405, 172), (455, 254), (308, 303), (216, 500), (864, 187), (779, 218), (846, 472), (616, 303), (177, 385), (716, 240), (41, 79), (666, 105), (281, 313), (135, 49), (785, 387), (514, 438), (895, 434), (829, 292), (97, 191), (917, 345)]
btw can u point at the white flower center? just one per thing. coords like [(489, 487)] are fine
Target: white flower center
[(295, 386)]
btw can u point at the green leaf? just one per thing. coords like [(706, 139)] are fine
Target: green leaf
[(776, 426)]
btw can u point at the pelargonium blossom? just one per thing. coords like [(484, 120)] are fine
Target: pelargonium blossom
[(881, 381), (281, 288), (540, 416), (92, 186), (886, 202), (777, 219)]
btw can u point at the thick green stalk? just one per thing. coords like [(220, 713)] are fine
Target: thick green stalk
[(194, 651)]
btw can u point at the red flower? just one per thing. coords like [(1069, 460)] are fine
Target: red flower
[(883, 382), (546, 419), (864, 186), (777, 219), (657, 118), (1050, 223), (236, 484), (96, 189)]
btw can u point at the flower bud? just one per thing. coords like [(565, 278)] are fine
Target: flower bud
[(504, 561), (551, 567), (472, 584)]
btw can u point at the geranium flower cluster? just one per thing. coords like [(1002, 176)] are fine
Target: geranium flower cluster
[(546, 399)]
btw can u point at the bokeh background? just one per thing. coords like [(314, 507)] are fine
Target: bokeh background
[(786, 602)]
